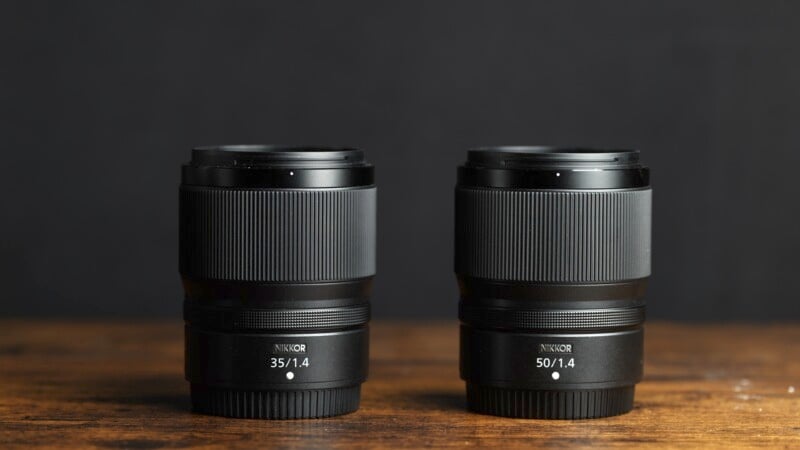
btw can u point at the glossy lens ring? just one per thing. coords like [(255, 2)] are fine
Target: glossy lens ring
[(523, 319), (235, 319)]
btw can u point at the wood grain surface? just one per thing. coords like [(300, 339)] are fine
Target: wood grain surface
[(108, 384)]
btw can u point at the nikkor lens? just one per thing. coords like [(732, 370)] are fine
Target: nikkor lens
[(552, 255), (277, 256)]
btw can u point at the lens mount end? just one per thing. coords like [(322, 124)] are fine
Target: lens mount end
[(302, 404), (549, 404)]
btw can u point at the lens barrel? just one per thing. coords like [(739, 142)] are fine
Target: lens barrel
[(552, 257), (277, 257)]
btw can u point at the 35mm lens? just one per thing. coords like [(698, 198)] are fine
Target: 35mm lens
[(277, 256)]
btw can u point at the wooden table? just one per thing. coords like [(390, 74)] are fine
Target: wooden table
[(110, 384)]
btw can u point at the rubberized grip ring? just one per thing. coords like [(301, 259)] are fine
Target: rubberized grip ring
[(553, 236), (278, 235)]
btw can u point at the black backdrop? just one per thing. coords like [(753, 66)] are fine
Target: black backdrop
[(101, 101)]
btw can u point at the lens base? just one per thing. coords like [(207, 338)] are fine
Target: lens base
[(549, 404), (305, 404)]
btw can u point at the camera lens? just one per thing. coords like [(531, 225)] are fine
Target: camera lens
[(552, 256), (277, 257)]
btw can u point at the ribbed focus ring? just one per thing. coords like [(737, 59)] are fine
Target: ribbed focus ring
[(303, 404), (585, 319), (226, 319), (553, 236), (282, 235), (549, 404)]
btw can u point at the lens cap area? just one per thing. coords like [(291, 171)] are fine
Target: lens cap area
[(276, 155), (544, 156), (545, 167), (277, 166)]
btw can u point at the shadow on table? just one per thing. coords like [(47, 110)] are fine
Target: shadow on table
[(441, 401), (165, 393)]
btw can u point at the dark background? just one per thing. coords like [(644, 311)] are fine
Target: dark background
[(100, 103)]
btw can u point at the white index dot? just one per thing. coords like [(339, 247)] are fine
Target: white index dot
[(558, 174), (289, 375), (556, 375), (291, 173)]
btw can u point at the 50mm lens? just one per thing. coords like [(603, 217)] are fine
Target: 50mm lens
[(552, 256), (277, 256)]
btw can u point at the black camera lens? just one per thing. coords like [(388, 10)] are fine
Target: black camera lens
[(277, 257), (552, 256)]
